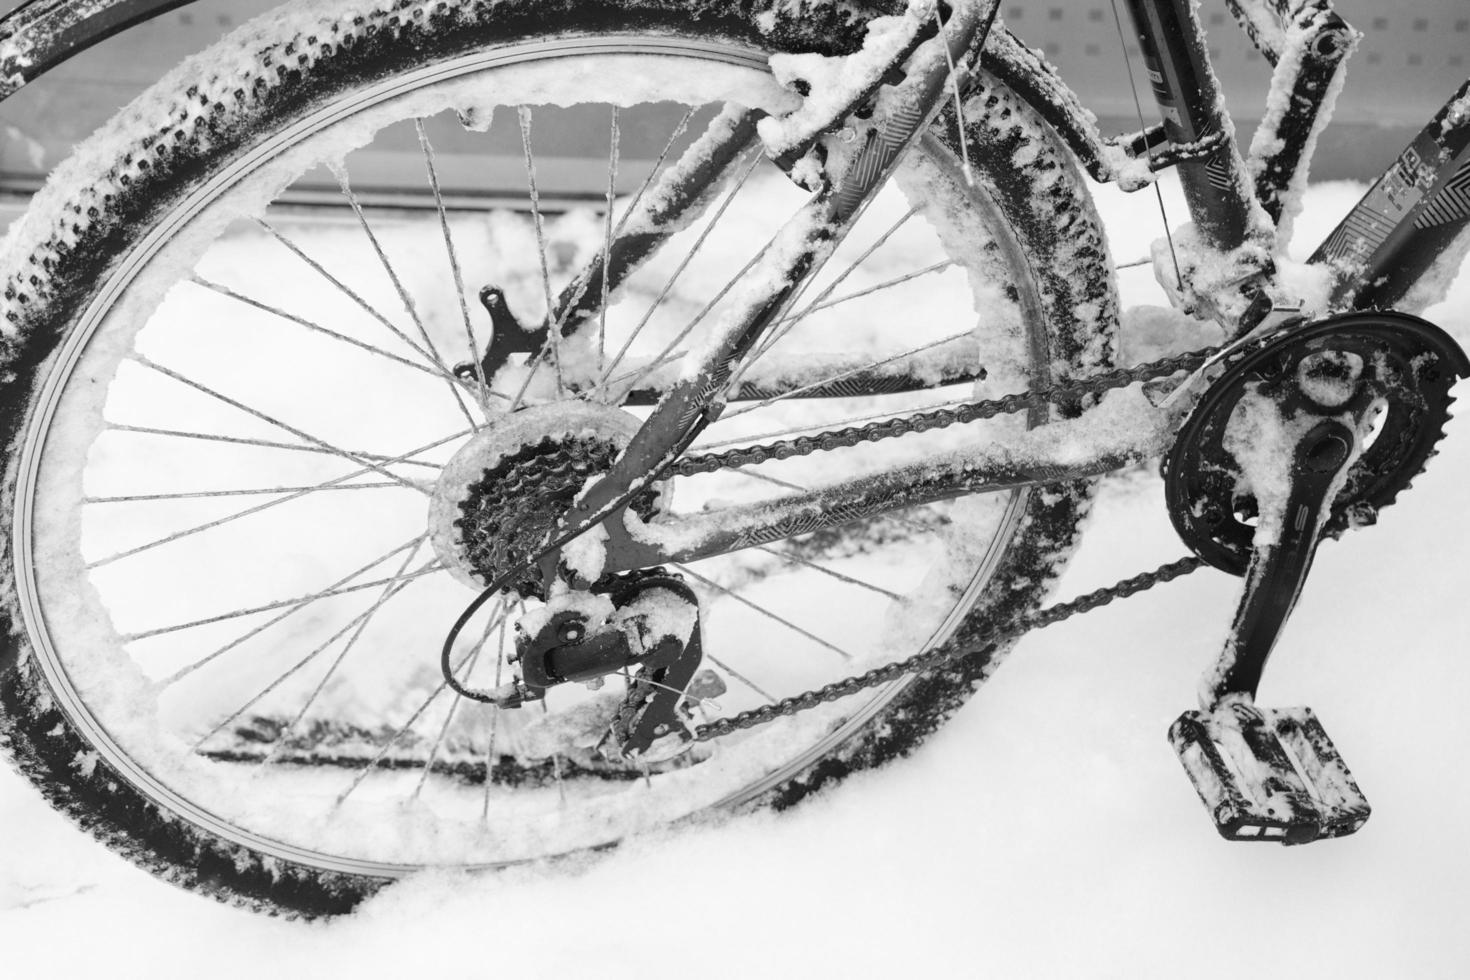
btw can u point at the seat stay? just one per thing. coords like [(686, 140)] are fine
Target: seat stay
[(696, 399)]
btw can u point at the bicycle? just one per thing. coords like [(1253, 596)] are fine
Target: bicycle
[(555, 433)]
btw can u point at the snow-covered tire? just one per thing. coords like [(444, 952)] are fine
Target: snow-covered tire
[(123, 184)]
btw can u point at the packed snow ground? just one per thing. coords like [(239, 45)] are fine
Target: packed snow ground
[(1047, 831)]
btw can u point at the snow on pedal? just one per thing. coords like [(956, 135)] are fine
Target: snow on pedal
[(1268, 774)]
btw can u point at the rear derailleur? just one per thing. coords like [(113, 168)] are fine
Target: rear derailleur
[(648, 620), (1305, 433)]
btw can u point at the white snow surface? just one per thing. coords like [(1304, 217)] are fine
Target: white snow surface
[(1048, 831)]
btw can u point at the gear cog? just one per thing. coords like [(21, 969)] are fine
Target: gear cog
[(1400, 364), (499, 499)]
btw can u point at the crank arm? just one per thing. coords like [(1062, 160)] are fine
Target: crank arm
[(1278, 570)]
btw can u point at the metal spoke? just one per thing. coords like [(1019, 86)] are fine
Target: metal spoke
[(494, 719), (264, 417), (783, 324), (765, 612), (367, 767), (291, 606), (704, 312), (496, 617), (612, 181), (296, 604), (640, 371), (683, 263), (331, 671), (523, 113), (755, 474), (797, 560), (464, 310), (788, 324), (888, 284), (845, 374), (959, 111), (258, 508), (760, 254), (341, 286), (264, 443), (201, 494), (292, 670), (403, 296), (684, 695), (301, 321), (575, 296), (809, 278), (740, 677), (561, 790)]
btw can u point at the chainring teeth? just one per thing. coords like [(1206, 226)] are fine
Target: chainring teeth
[(1414, 366)]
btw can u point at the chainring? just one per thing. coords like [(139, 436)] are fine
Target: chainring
[(1407, 364)]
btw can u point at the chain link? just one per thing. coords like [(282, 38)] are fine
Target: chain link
[(933, 658), (1071, 391), (919, 422)]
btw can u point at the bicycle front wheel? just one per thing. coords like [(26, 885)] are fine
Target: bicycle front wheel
[(227, 418)]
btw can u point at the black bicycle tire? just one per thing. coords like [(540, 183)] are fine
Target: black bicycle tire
[(98, 217)]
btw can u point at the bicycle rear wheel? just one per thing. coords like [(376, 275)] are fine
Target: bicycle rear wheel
[(225, 612)]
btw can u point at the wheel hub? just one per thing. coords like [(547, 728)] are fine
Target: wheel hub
[(507, 489)]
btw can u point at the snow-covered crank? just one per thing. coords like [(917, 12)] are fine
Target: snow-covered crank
[(1306, 432)]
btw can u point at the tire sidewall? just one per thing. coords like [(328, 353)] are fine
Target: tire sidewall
[(87, 217)]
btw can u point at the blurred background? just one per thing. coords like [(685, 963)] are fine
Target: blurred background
[(1409, 63)]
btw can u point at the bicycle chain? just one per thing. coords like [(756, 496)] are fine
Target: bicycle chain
[(1034, 620), (920, 662), (940, 418), (921, 422)]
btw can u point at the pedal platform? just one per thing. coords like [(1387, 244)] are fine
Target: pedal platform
[(1268, 774)]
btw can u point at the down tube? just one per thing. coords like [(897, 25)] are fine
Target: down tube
[(1415, 213)]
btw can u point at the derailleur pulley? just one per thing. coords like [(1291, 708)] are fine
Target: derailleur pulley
[(649, 621)]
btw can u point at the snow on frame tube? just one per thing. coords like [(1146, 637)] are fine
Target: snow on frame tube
[(123, 185)]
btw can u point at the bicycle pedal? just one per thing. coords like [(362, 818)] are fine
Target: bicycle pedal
[(1268, 774)]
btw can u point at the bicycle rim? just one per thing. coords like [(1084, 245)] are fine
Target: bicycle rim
[(61, 617)]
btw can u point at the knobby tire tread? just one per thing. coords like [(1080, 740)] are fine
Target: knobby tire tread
[(199, 115)]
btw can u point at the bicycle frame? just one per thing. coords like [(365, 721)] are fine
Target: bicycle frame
[(1414, 214), (38, 35), (1411, 216), (1374, 262)]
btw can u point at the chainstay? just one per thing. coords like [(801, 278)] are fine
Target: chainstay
[(932, 658), (942, 418)]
